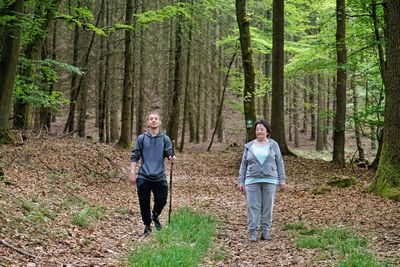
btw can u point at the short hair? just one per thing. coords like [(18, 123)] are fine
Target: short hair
[(265, 124), (154, 113)]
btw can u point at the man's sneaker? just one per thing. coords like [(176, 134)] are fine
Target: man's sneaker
[(147, 231), (265, 236), (157, 223)]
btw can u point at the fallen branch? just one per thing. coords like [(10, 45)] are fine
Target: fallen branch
[(4, 243), (67, 134)]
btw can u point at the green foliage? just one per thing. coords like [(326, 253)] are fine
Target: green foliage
[(183, 243), (84, 218), (167, 12), (34, 89)]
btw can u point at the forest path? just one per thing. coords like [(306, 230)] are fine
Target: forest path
[(207, 181), (49, 180)]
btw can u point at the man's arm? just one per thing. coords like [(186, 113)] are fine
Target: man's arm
[(132, 176)]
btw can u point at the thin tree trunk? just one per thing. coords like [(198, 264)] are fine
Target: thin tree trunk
[(140, 125), (321, 114), (186, 100), (313, 86)]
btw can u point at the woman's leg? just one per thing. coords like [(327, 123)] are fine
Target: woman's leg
[(267, 205), (253, 195)]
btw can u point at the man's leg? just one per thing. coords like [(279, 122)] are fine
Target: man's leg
[(160, 191), (144, 192)]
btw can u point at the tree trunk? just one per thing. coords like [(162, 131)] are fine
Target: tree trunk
[(198, 106), (266, 98), (125, 138), (357, 124), (186, 100), (387, 180), (296, 124), (140, 124), (174, 117), (248, 69), (8, 67), (340, 116), (320, 145), (313, 84)]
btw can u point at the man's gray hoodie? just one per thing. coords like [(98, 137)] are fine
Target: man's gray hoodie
[(152, 150)]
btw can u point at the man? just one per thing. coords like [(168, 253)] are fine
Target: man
[(152, 147)]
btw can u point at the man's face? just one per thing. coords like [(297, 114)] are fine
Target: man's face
[(154, 121)]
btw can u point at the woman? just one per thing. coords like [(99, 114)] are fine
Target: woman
[(261, 172)]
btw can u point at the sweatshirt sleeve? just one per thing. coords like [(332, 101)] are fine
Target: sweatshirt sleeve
[(243, 168), (168, 149), (137, 149), (280, 164)]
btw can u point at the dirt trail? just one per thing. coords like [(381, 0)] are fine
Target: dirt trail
[(66, 175)]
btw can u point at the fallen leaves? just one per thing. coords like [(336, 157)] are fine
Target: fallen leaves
[(66, 175)]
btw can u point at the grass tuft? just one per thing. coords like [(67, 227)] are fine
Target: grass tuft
[(350, 249), (84, 218), (183, 243)]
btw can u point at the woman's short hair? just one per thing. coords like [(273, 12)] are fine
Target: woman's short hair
[(265, 124)]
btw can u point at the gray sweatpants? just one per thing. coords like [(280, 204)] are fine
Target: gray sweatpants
[(260, 203)]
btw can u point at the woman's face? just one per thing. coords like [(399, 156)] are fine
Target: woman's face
[(261, 132)]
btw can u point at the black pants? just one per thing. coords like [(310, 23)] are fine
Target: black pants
[(160, 192)]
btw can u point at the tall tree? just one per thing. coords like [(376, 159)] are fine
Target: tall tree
[(125, 138), (44, 13), (248, 68), (278, 113), (174, 116), (8, 67), (387, 180), (340, 116)]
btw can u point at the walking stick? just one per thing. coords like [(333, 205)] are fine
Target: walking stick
[(170, 194), (170, 187)]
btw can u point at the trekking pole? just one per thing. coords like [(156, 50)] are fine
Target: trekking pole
[(170, 188)]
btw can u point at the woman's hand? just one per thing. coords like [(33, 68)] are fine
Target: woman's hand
[(241, 188), (282, 185)]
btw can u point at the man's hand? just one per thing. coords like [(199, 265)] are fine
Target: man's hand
[(172, 158), (132, 178)]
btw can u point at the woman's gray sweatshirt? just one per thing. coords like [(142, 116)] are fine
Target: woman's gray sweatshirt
[(273, 165)]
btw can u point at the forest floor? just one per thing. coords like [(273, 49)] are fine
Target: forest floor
[(48, 179)]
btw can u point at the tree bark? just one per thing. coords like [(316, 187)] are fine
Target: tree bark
[(387, 180), (340, 116), (174, 116), (357, 124), (8, 67), (125, 138), (320, 145), (248, 69)]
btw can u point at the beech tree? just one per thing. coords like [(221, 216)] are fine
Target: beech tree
[(8, 67), (387, 180), (248, 68)]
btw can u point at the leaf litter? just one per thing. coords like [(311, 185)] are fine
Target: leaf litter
[(47, 180)]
